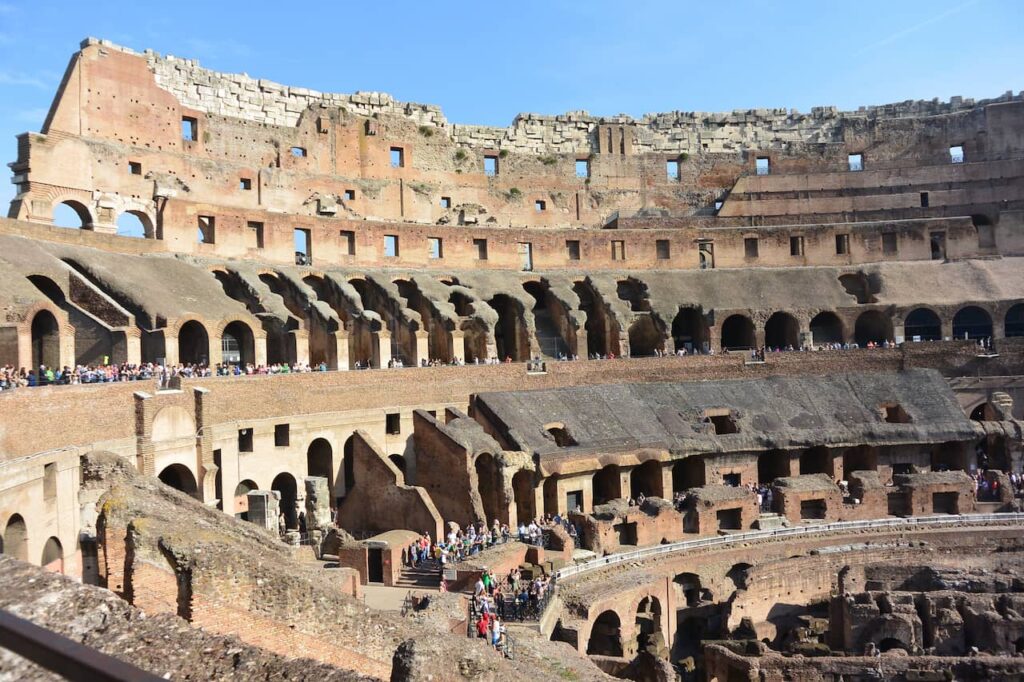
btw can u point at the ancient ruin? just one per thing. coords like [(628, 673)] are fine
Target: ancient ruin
[(709, 396)]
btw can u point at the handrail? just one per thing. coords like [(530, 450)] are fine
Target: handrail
[(63, 656), (718, 541)]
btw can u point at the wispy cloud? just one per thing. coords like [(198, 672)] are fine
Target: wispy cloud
[(24, 80), (893, 37)]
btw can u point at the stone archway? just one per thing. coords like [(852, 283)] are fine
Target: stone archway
[(607, 484), (606, 635), (782, 331), (53, 555), (193, 344), (320, 460), (738, 333), (238, 345), (826, 327), (872, 326), (284, 484), (524, 492), (923, 324), (972, 323), (45, 340), (647, 479), (15, 538), (690, 331), (180, 477)]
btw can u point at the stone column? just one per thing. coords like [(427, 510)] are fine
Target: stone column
[(144, 463), (318, 503), (25, 345), (382, 349), (133, 346), (422, 347), (170, 348), (264, 509), (300, 337), (340, 340), (458, 341), (260, 350)]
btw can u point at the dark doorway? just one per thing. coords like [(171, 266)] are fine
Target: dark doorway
[(375, 565)]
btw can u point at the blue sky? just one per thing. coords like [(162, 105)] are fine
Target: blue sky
[(483, 62)]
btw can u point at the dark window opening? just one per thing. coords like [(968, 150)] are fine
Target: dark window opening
[(206, 232), (540, 205), (245, 440), (393, 423), (348, 243), (730, 519), (938, 245), (723, 424), (706, 253), (750, 247), (572, 248), (481, 248), (662, 249), (257, 230), (446, 202), (135, 168), (731, 480), (245, 184), (796, 246), (350, 195), (812, 509), (889, 243), (282, 435), (842, 244), (563, 438), (924, 199)]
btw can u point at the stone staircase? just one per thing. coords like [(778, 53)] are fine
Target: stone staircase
[(424, 577), (548, 338)]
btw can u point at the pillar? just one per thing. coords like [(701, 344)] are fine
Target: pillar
[(382, 349), (25, 345), (666, 481), (263, 509), (340, 340), (422, 347), (300, 338), (260, 350), (170, 348), (318, 503), (458, 341), (133, 346)]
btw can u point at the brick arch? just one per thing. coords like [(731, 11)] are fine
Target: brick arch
[(80, 202), (63, 323), (258, 332)]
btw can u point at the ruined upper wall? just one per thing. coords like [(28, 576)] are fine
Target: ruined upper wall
[(266, 102)]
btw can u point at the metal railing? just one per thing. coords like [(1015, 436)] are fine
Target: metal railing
[(63, 656), (796, 531)]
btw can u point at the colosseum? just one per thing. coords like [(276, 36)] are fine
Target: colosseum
[(324, 386)]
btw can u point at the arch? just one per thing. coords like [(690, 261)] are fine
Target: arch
[(647, 479), (179, 477), (488, 481), (15, 539), (193, 344), (973, 323), (72, 214), (284, 484), (690, 331), (319, 460), (890, 643), (826, 327), (985, 412), (606, 635), (923, 323), (237, 344), (601, 326), (53, 555), (607, 484), (872, 326), (245, 487), (563, 438), (45, 340), (135, 224), (738, 574), (648, 623), (510, 336), (645, 337), (241, 498), (398, 461), (523, 491), (781, 331), (690, 586), (172, 422), (738, 332), (1013, 323), (555, 332)]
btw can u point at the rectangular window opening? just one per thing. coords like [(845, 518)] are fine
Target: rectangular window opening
[(525, 250), (303, 246), (257, 230), (135, 168), (397, 157), (481, 248), (796, 246), (393, 423), (663, 249), (842, 244), (889, 243), (582, 168), (50, 481), (391, 246), (245, 440), (719, 205), (855, 162), (189, 129), (956, 154), (618, 249), (572, 249), (490, 165), (924, 199), (750, 247), (540, 205), (207, 230), (938, 244), (446, 202), (672, 169), (706, 253), (762, 165), (245, 184), (348, 242), (435, 247), (299, 152), (282, 435), (350, 195)]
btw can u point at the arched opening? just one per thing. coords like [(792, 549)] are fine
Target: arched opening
[(45, 340), (690, 331), (241, 498), (738, 333), (193, 344), (606, 635), (179, 477), (647, 479), (890, 643), (238, 346), (551, 495), (922, 324), (135, 224), (555, 333), (15, 540), (601, 327), (648, 623), (489, 487), (510, 335), (319, 460), (690, 587), (688, 473), (973, 323), (284, 484), (398, 461), (608, 484), (872, 326), (738, 575), (1014, 322), (634, 292), (72, 214), (985, 412), (645, 337), (53, 556), (826, 327), (561, 435), (523, 490), (782, 331)]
